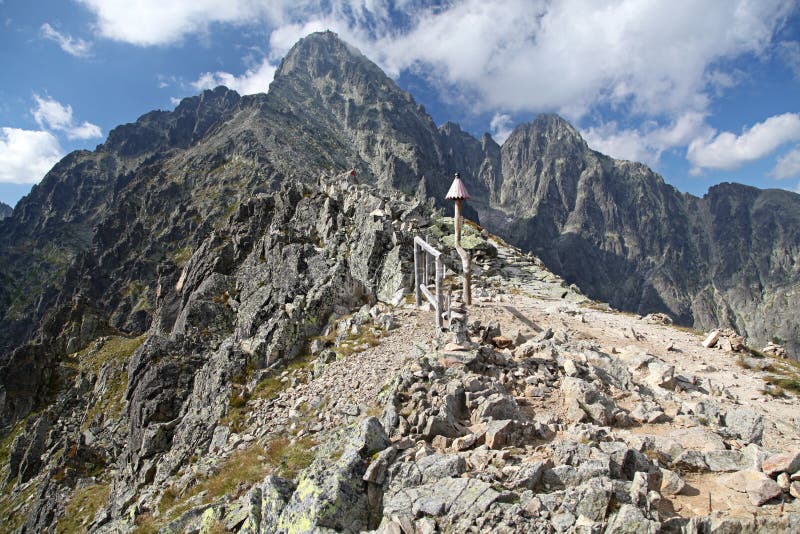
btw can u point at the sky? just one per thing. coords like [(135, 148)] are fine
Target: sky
[(703, 91)]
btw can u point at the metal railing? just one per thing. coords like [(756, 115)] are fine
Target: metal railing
[(423, 254)]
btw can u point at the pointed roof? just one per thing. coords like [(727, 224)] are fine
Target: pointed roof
[(458, 191)]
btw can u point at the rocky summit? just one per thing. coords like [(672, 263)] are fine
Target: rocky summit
[(209, 325), (5, 210)]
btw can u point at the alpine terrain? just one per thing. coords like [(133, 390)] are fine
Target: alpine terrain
[(5, 210), (208, 324)]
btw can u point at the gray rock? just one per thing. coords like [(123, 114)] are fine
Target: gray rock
[(630, 520), (496, 406), (727, 461), (745, 424), (437, 466), (333, 495)]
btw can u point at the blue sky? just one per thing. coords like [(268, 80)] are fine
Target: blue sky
[(702, 91)]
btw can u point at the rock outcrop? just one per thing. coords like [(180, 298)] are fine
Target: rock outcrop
[(217, 333)]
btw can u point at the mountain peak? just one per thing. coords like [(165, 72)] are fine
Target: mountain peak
[(548, 133), (323, 54)]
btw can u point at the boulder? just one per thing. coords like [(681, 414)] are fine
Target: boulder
[(745, 424), (496, 406), (596, 404), (630, 520), (787, 462), (332, 494)]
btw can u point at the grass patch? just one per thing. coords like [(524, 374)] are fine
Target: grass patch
[(785, 383), (113, 354), (290, 458), (82, 508), (241, 469), (13, 507), (355, 343), (181, 256)]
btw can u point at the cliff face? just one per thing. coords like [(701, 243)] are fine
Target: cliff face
[(624, 236), (5, 210)]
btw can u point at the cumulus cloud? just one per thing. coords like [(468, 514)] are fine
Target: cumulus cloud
[(648, 142), (155, 22), (726, 150), (27, 155), (501, 127), (73, 46), (255, 80), (511, 55), (53, 115), (788, 165)]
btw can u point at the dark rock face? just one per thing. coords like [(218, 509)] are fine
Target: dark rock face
[(5, 210), (619, 232)]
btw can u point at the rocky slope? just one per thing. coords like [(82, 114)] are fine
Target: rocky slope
[(586, 419), (5, 210), (149, 377), (619, 232)]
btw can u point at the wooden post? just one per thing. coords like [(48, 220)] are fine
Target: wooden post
[(466, 265), (457, 222), (428, 267), (417, 281), (439, 295)]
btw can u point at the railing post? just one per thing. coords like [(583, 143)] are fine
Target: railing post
[(417, 281), (439, 295)]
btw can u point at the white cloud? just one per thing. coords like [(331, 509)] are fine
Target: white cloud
[(501, 127), (53, 115), (569, 56), (648, 142), (511, 55), (255, 80), (73, 46), (156, 22), (788, 165), (27, 155), (726, 150)]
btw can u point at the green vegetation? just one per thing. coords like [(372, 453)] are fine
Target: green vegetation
[(290, 458), (13, 507), (240, 470), (785, 383), (82, 508), (181, 256), (113, 354), (266, 388)]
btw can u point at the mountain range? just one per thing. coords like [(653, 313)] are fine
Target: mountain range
[(103, 221), (207, 244), (5, 210)]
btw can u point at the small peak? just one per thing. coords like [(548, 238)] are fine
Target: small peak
[(318, 54), (549, 129)]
